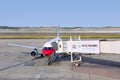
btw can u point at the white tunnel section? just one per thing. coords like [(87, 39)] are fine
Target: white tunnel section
[(89, 46), (110, 47), (83, 47)]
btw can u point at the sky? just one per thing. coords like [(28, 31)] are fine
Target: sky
[(65, 13)]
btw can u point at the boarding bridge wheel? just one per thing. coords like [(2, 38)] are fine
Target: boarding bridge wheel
[(76, 64)]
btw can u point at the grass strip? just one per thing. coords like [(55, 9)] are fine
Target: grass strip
[(64, 37)]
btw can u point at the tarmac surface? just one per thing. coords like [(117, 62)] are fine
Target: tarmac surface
[(17, 64)]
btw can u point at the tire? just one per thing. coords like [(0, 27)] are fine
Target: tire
[(76, 64)]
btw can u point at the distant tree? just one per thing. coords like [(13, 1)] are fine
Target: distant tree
[(7, 27)]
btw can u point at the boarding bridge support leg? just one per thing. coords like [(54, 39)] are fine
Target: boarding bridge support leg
[(72, 57), (76, 62)]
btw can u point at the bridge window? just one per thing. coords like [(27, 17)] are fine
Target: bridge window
[(74, 46)]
